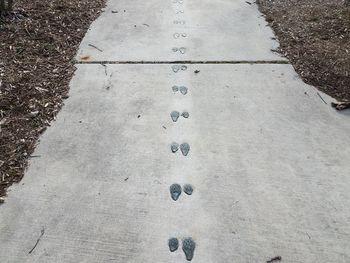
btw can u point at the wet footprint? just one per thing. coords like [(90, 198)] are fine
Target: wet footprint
[(176, 68), (173, 244), (174, 147), (188, 189), (185, 148), (185, 114), (174, 115), (178, 35), (183, 90), (188, 247), (175, 88), (175, 191), (181, 49)]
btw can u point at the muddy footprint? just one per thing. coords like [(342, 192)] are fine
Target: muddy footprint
[(188, 189), (188, 247), (183, 90), (185, 114), (185, 148), (175, 88), (173, 244), (175, 191), (174, 115), (174, 147)]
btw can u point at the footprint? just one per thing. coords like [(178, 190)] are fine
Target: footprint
[(179, 22), (185, 148), (185, 114), (175, 49), (183, 67), (176, 68), (183, 90), (188, 189), (174, 115), (178, 35), (173, 244), (188, 246), (175, 88), (175, 191), (174, 147), (182, 50)]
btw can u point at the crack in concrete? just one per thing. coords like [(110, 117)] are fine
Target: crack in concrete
[(188, 62)]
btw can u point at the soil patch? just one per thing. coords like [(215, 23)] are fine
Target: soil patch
[(38, 41), (315, 36)]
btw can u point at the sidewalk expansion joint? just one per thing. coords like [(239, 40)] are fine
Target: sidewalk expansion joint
[(188, 62)]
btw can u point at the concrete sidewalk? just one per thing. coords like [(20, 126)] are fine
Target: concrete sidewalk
[(268, 158)]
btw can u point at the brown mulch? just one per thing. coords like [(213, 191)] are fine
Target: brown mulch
[(315, 36), (38, 42)]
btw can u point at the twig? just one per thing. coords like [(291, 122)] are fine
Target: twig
[(321, 98), (95, 47), (38, 240), (105, 66), (279, 258)]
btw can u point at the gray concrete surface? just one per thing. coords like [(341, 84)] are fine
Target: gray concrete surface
[(215, 30), (269, 160)]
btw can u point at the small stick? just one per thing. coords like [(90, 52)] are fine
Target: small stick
[(321, 98), (274, 259), (37, 242), (95, 47)]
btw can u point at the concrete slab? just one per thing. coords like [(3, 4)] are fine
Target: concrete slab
[(268, 162), (208, 30)]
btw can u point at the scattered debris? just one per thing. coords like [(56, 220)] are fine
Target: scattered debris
[(341, 105), (37, 241), (249, 3), (146, 25), (138, 116), (278, 258), (197, 71)]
